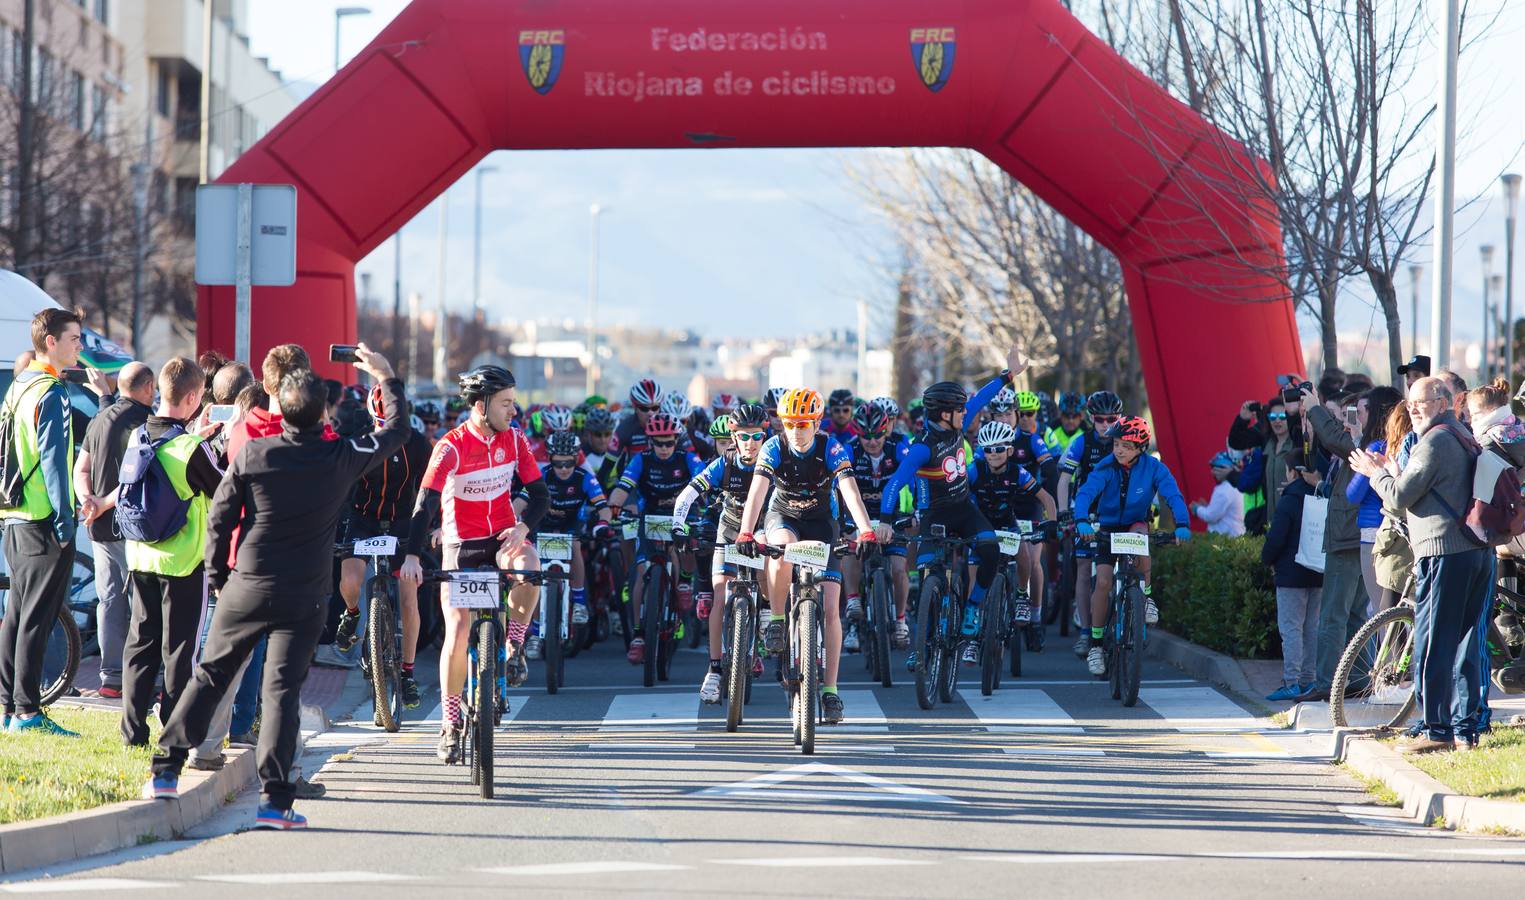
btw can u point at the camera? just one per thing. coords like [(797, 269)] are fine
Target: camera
[(1294, 393), (1255, 407)]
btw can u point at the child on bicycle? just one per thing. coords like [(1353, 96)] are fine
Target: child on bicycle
[(1006, 494), (1119, 492)]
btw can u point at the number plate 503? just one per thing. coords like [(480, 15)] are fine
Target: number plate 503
[(472, 590), (386, 545), (1128, 543)]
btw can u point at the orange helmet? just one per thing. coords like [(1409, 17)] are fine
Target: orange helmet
[(800, 403), (1131, 429)]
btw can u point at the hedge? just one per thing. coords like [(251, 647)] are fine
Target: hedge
[(1214, 591)]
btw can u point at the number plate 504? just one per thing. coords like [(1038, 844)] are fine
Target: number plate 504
[(472, 590)]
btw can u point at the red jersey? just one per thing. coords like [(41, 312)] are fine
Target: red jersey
[(475, 478)]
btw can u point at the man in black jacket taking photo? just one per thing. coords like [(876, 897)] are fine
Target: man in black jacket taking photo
[(284, 496)]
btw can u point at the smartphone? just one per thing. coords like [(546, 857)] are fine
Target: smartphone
[(343, 353), (77, 376), (1255, 408), (221, 413), (1352, 416)]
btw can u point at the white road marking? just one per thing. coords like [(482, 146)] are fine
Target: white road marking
[(515, 707), (604, 867), (1053, 751), (857, 748), (1035, 729), (767, 787), (652, 745), (71, 885), (1026, 708), (306, 877), (1387, 818), (646, 712), (822, 862), (1068, 857), (864, 713), (1185, 708)]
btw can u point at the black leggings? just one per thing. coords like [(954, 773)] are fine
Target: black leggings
[(966, 521)]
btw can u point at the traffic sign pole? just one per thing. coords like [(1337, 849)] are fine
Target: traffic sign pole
[(244, 274)]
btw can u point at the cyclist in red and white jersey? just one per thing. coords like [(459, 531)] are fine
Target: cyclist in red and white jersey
[(470, 482)]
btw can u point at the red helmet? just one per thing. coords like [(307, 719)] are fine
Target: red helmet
[(373, 404), (661, 425), (1131, 429)]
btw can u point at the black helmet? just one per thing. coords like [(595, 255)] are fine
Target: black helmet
[(749, 415), (770, 399), (562, 443), (1071, 403), (599, 419), (944, 396), (1104, 403), (840, 397), (483, 382), (871, 419)]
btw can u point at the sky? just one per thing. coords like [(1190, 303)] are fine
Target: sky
[(777, 242)]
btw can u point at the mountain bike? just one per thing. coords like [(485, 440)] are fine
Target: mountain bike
[(939, 617), (486, 693), (1377, 670), (878, 612), (1125, 631), (1059, 600), (659, 608), (606, 580), (383, 630), (804, 660), (556, 628), (999, 631), (742, 612)]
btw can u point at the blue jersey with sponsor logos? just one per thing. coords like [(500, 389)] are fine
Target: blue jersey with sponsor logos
[(802, 482), (659, 481)]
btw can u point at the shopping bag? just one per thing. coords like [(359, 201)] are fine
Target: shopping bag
[(1310, 540)]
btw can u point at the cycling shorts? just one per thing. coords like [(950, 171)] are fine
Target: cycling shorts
[(815, 528), (961, 520), (718, 566), (363, 528)]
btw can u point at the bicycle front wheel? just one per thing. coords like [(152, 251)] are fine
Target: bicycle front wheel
[(1132, 644), (808, 635), (486, 703), (928, 643), (879, 593), (1374, 680), (992, 639), (653, 597), (61, 662), (552, 651), (381, 647), (738, 661)]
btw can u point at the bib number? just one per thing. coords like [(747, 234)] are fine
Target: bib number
[(472, 590), (1128, 543), (631, 529), (737, 558), (1024, 526), (554, 547), (659, 528), (386, 545), (810, 554), (1011, 542)]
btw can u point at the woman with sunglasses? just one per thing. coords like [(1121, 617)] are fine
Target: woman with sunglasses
[(1268, 432), (804, 467), (1085, 453), (730, 475)]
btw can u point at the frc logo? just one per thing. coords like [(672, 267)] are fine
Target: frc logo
[(932, 53), (540, 54)]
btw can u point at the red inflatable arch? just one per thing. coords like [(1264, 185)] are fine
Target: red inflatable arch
[(1019, 80)]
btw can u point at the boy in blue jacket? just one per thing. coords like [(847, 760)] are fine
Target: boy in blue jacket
[(1119, 493)]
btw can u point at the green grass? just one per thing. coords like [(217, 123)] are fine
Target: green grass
[(1495, 770), (1379, 791), (42, 775)]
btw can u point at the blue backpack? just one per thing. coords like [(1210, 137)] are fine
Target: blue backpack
[(148, 509)]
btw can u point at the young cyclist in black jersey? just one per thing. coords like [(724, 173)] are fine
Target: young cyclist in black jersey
[(940, 458), (630, 436), (729, 475), (1008, 493), (574, 496), (599, 455), (656, 475), (804, 468), (1085, 453), (875, 459), (383, 505)]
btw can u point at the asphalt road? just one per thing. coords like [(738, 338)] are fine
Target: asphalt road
[(1051, 788)]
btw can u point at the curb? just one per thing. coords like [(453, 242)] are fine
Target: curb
[(1198, 661), (131, 823), (1424, 799)]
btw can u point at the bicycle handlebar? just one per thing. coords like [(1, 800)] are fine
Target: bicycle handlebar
[(533, 576)]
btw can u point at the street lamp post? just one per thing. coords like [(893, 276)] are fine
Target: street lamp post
[(1511, 209), (1484, 366), (476, 260), (1445, 193), (1416, 272), (339, 16), (1496, 361), (441, 324), (591, 376)]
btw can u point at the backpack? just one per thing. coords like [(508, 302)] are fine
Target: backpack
[(12, 479), (1495, 514), (148, 509)]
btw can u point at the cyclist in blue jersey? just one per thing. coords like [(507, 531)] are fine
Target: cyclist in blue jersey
[(875, 459), (656, 475), (805, 468), (1085, 452), (1120, 492), (730, 475), (941, 458), (1007, 494)]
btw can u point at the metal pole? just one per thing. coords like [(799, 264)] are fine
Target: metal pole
[(1511, 209), (590, 380), (1496, 361), (25, 137), (862, 345), (141, 176), (476, 255), (1484, 373), (1445, 196), (1416, 272), (243, 274), (440, 325), (397, 298), (206, 91), (415, 302)]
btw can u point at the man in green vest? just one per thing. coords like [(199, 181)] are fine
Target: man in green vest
[(39, 534), (169, 586)]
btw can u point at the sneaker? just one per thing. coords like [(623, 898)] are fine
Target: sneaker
[(110, 692), (41, 724), (971, 621), (1096, 662), (757, 665), (1423, 743), (704, 603), (1285, 692), (854, 609), (1151, 612), (164, 786), (910, 662), (349, 630), (308, 790), (1021, 610), (449, 748), (831, 708), (208, 763), (773, 641), (517, 670), (901, 635), (971, 655), (274, 819), (533, 646), (850, 639), (410, 698), (637, 652), (709, 692), (579, 613), (685, 598), (247, 739), (1082, 644), (1075, 617)]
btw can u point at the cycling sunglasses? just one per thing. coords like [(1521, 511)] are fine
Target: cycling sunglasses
[(997, 448), (1105, 420), (600, 434), (837, 409), (878, 436), (1028, 414), (650, 409), (749, 435), (564, 464), (667, 443), (799, 424)]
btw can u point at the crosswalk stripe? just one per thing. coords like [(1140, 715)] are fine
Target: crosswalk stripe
[(1053, 751), (643, 712), (1187, 708), (863, 712), (1026, 708), (77, 885)]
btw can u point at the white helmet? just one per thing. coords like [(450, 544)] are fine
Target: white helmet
[(890, 407), (556, 417), (676, 405), (994, 434)]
